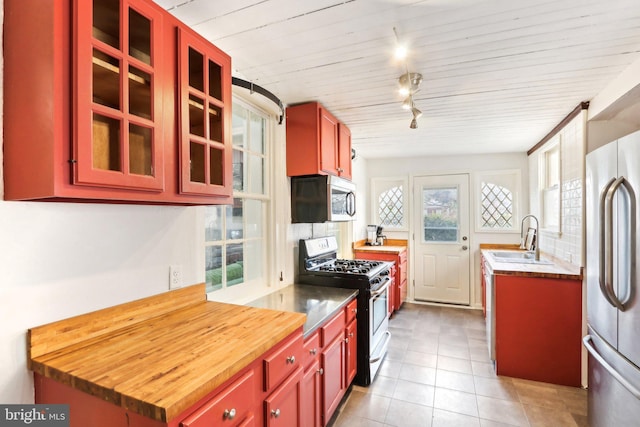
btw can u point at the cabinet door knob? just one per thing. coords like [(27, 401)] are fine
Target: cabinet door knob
[(275, 413), (229, 414), (320, 371), (355, 311), (346, 340), (291, 359)]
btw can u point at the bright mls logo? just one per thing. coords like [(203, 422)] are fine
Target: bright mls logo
[(34, 415)]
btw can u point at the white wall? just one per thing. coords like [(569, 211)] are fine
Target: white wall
[(433, 165), (60, 260)]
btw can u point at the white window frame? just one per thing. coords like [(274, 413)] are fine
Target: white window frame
[(550, 216), (240, 291), (508, 178), (382, 184)]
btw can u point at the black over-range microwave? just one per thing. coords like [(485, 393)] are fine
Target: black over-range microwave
[(322, 198)]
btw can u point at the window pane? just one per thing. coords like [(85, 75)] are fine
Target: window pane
[(235, 267), (213, 268), (238, 170), (256, 142), (256, 174), (253, 213), (235, 228), (213, 223), (497, 206), (254, 254), (390, 209), (440, 214), (239, 125)]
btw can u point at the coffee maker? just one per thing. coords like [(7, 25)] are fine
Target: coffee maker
[(372, 235)]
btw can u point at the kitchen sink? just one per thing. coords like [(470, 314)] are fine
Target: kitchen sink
[(519, 257)]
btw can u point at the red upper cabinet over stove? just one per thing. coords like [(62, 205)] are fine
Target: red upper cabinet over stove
[(91, 111), (317, 143)]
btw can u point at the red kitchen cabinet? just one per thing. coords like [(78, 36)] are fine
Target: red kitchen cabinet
[(333, 382), (344, 151), (91, 113), (230, 407), (399, 257), (538, 328), (330, 366), (317, 143), (282, 407), (310, 398), (351, 340), (204, 116)]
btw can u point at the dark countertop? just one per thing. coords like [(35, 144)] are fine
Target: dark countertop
[(319, 303)]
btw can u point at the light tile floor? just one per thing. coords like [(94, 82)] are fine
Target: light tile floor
[(437, 373)]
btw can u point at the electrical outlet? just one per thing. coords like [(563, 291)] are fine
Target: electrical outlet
[(175, 276)]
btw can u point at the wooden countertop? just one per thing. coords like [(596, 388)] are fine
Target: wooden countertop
[(157, 356), (556, 269), (390, 247)]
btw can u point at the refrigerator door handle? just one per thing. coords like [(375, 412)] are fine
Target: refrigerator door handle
[(630, 254), (586, 340), (605, 241)]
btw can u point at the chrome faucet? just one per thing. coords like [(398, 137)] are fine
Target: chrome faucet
[(522, 237)]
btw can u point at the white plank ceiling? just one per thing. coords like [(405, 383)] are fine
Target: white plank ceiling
[(498, 74)]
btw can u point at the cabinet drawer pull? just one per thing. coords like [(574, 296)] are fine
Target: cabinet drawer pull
[(313, 351), (291, 359), (275, 413), (229, 414)]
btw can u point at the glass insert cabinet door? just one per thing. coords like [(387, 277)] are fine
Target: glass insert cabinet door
[(204, 118), (117, 138)]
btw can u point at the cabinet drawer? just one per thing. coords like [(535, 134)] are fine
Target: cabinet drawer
[(311, 349), (333, 328), (351, 311), (230, 407), (283, 361)]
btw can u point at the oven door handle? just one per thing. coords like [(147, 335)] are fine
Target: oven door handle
[(387, 338), (382, 289)]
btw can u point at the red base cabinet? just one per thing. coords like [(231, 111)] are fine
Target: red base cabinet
[(399, 290), (330, 366), (268, 392), (539, 328)]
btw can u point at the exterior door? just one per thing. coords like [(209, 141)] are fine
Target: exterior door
[(441, 238)]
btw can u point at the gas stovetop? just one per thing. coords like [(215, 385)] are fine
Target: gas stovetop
[(319, 265), (351, 266)]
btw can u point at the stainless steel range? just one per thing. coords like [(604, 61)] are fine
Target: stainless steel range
[(318, 265)]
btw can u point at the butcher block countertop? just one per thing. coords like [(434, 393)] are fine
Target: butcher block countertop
[(391, 246), (552, 269), (160, 355)]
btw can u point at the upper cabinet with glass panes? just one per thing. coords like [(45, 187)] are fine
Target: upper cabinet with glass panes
[(93, 110)]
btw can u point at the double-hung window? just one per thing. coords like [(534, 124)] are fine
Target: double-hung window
[(235, 235)]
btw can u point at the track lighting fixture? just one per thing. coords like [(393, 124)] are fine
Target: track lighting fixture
[(409, 84)]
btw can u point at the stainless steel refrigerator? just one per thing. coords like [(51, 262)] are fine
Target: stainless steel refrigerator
[(613, 303)]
